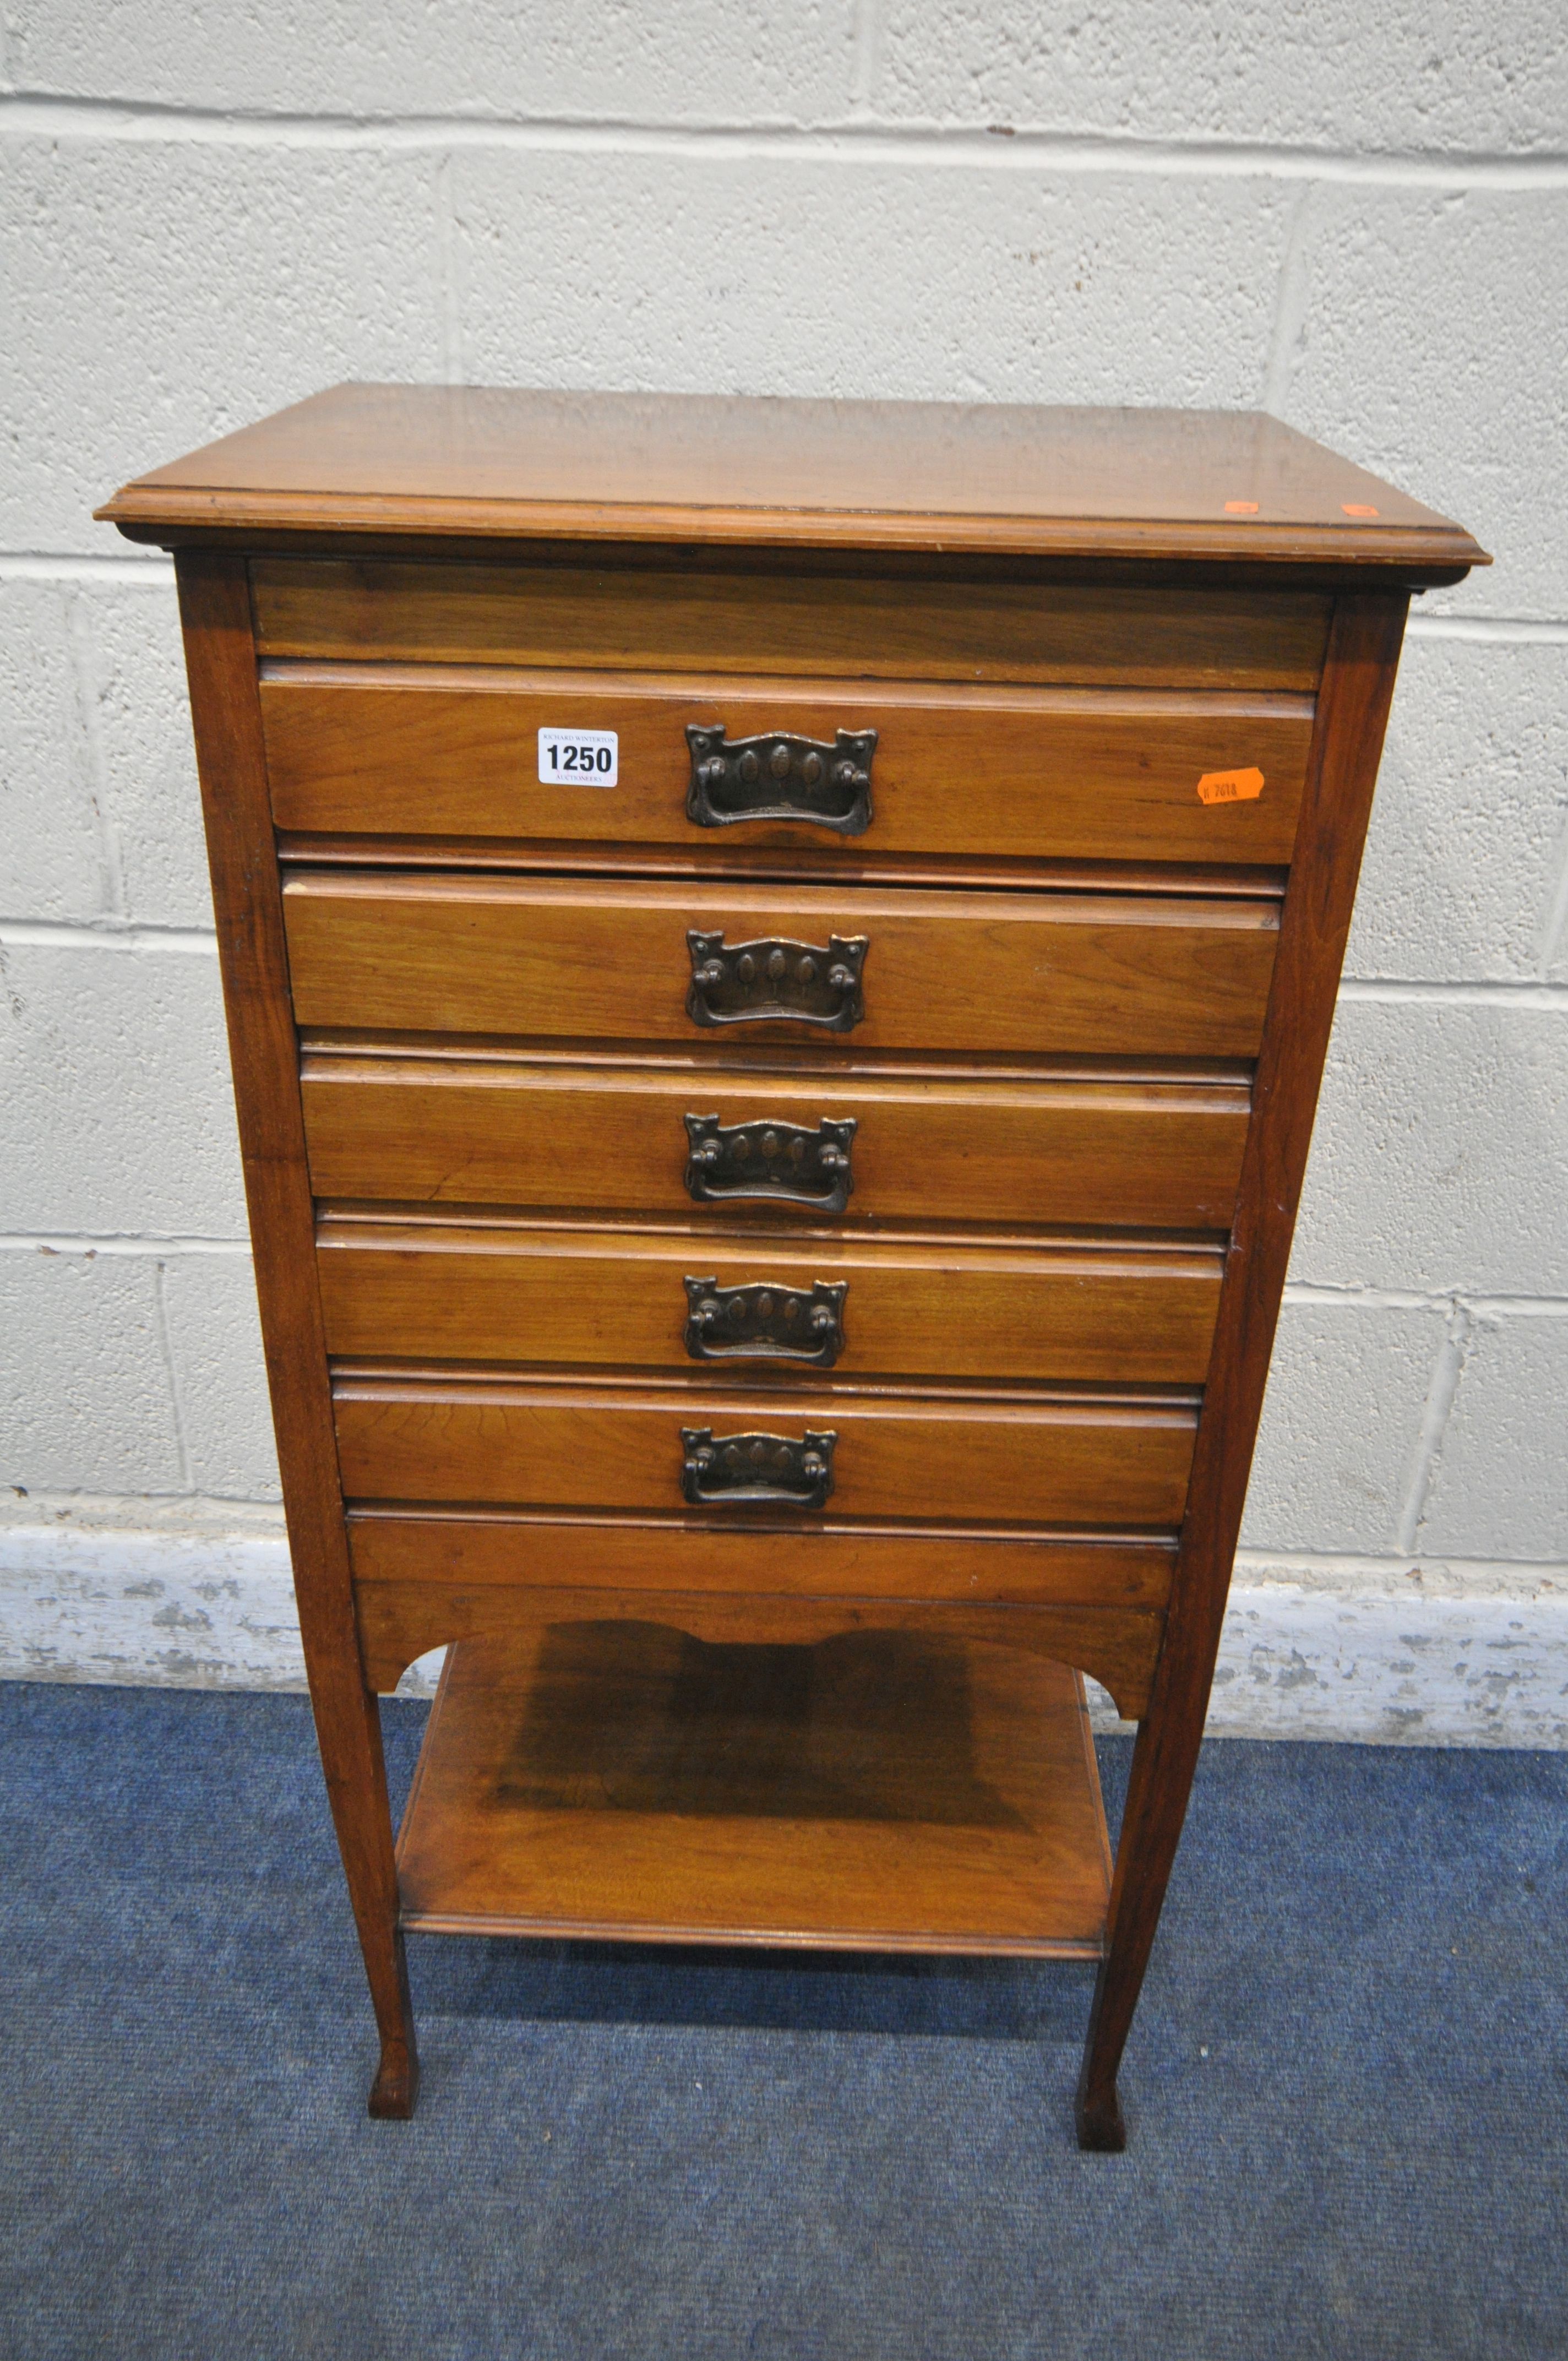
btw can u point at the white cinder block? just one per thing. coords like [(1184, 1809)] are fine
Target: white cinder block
[(84, 1397), (1341, 1424), (1466, 845), (1431, 347), (1440, 1160), (119, 1113), (51, 846), (149, 764), (1500, 1485), (175, 292), (220, 1378), (1402, 75), (864, 279), (680, 63)]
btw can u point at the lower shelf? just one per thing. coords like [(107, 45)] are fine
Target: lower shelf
[(880, 1790)]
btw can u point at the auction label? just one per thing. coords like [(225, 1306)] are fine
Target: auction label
[(1229, 787), (579, 758)]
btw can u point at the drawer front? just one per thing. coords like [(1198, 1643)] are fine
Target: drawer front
[(1091, 1464), (778, 623), (621, 1139), (431, 1551), (1030, 775), (604, 1298), (1008, 972)]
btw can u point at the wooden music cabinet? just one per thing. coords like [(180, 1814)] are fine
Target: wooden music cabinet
[(778, 959)]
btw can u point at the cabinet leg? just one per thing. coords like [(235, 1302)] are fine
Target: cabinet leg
[(1164, 1760), (1098, 2114), (396, 2087), (348, 1729)]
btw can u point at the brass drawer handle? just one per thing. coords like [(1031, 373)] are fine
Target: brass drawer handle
[(781, 776), (746, 983), (767, 1158), (762, 1320), (738, 1469)]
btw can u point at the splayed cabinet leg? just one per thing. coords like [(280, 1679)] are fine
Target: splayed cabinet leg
[(348, 1729), (395, 2091), (1158, 1791), (1097, 2112)]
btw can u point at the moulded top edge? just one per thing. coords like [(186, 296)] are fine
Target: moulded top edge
[(502, 465)]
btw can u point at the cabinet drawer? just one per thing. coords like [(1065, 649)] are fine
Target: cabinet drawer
[(1009, 973), (1117, 1466), (462, 1131), (606, 1299), (872, 626), (1026, 773), (433, 1550)]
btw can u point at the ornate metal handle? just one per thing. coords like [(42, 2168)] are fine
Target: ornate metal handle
[(771, 1159), (781, 776), (764, 1322), (749, 982), (742, 1467)]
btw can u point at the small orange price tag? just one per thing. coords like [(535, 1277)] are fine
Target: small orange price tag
[(1229, 786), (1358, 507), (1241, 507)]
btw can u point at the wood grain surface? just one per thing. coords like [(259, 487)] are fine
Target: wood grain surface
[(869, 627), (422, 752), (613, 1139), (877, 1789), (1116, 1646), (591, 961), (1088, 1463), (609, 1299), (451, 460), (425, 1579), (471, 1550)]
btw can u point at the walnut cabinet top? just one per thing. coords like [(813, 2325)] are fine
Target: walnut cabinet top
[(492, 464)]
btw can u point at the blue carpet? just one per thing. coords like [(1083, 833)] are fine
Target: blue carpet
[(1347, 2091)]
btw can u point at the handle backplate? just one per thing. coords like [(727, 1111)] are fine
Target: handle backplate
[(735, 1469), (762, 1320), (770, 1159), (781, 777), (745, 984)]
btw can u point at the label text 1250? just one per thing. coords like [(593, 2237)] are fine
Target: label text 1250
[(579, 758)]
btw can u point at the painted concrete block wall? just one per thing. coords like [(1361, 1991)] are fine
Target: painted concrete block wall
[(1355, 216)]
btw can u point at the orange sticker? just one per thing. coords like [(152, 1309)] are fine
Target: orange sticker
[(1241, 507), (1358, 507), (1229, 787)]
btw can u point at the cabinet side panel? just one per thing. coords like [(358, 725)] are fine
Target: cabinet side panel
[(1353, 712), (214, 607), (220, 661)]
